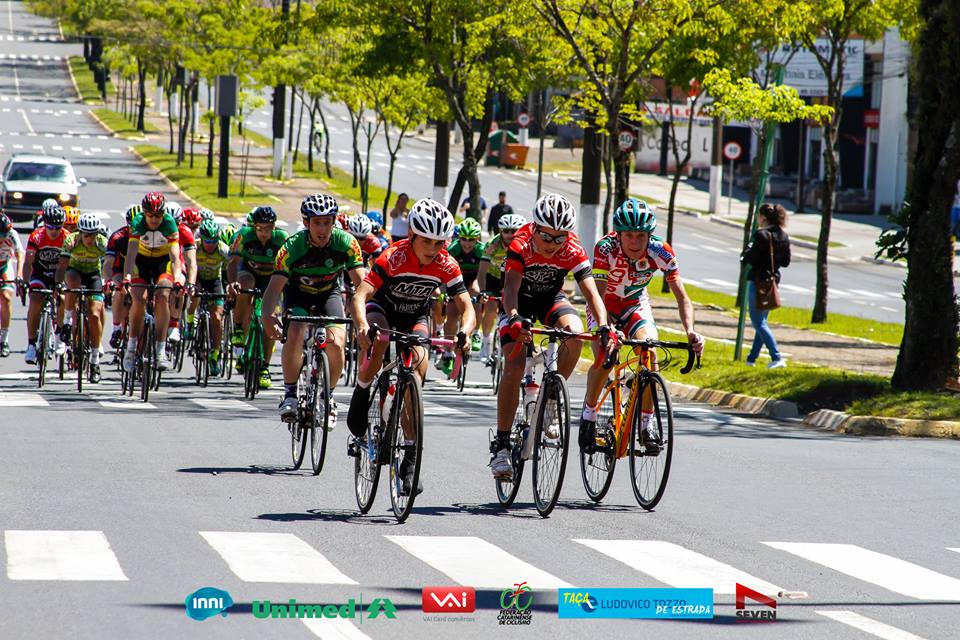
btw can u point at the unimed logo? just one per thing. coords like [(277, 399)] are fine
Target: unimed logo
[(449, 600), (768, 614)]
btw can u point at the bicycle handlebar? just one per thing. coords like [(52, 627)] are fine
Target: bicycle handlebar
[(652, 344), (287, 319), (377, 334)]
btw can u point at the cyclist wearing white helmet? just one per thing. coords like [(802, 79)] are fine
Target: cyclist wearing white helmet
[(541, 255), (490, 274), (81, 259), (361, 228), (396, 294)]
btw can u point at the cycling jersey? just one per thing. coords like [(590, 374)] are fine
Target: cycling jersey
[(257, 257), (316, 270), (371, 246), (154, 243), (84, 259), (46, 254), (186, 239), (404, 286), (210, 263), (543, 276), (117, 248), (626, 280), (10, 247), (495, 252), (469, 262)]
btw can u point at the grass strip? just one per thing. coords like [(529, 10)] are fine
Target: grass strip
[(119, 124)]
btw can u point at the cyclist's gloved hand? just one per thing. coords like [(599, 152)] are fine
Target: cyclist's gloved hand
[(59, 287), (697, 342), (461, 340), (514, 327), (178, 287)]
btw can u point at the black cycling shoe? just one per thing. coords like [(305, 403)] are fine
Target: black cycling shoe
[(406, 473), (650, 441), (94, 373), (4, 349), (355, 446), (116, 338), (587, 438), (357, 415)]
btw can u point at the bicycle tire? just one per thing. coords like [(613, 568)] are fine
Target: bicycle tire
[(644, 466), (596, 468), (298, 433), (148, 347), (496, 368), (366, 467), (549, 469), (349, 362), (43, 343), (226, 347), (320, 414), (507, 490), (253, 359), (408, 395), (79, 350), (462, 374)]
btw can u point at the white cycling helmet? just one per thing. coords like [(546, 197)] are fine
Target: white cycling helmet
[(319, 204), (430, 219), (175, 210), (88, 223), (360, 226), (511, 222), (554, 211)]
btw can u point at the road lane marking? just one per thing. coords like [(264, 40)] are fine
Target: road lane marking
[(869, 625), (216, 404), (880, 569), (60, 555), (796, 289), (273, 557), (868, 294), (475, 562), (15, 399), (334, 629), (721, 283), (678, 566)]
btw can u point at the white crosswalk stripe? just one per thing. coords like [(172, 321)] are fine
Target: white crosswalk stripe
[(880, 569), (273, 557), (15, 399), (60, 555), (677, 566), (868, 625), (217, 404), (334, 629)]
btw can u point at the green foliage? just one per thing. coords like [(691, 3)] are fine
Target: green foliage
[(743, 99), (119, 125)]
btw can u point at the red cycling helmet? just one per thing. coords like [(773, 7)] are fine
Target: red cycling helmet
[(192, 217), (153, 202)]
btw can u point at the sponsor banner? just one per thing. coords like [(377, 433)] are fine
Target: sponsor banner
[(657, 604)]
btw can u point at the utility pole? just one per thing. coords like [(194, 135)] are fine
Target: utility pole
[(441, 162), (716, 167), (279, 106), (590, 186)]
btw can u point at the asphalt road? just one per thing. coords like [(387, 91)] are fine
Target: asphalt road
[(114, 511)]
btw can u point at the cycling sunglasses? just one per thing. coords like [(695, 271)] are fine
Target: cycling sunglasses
[(552, 239)]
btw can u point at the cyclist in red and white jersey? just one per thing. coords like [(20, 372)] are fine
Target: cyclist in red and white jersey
[(541, 255), (40, 270), (11, 271)]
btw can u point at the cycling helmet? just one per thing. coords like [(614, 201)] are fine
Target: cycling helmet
[(228, 233), (262, 215), (49, 203), (71, 216), (175, 211), (102, 229), (88, 223), (469, 229), (153, 202), (132, 212), (209, 231), (206, 214), (430, 219), (54, 217), (376, 218), (634, 215), (511, 222), (554, 211), (5, 224), (319, 204), (191, 217), (360, 226)]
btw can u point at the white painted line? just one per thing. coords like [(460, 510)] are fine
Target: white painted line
[(17, 146), (889, 309), (13, 133), (713, 249), (56, 147), (796, 289), (103, 137), (60, 555), (695, 283), (116, 150), (720, 283), (803, 255), (19, 375), (684, 246), (868, 294), (273, 557), (96, 149), (334, 629), (76, 148), (432, 409), (475, 562), (868, 625), (15, 399), (38, 147), (216, 404), (880, 569), (420, 167), (678, 566), (130, 405)]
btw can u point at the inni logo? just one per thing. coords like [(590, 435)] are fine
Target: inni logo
[(749, 615), (207, 602)]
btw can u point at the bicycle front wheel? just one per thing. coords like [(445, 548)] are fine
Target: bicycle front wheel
[(596, 467), (318, 412), (650, 457), (226, 347), (79, 358), (507, 489), (148, 358), (43, 345), (462, 374), (496, 365), (366, 466), (408, 410), (552, 436)]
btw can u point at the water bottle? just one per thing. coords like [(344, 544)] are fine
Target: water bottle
[(388, 403), (530, 391)]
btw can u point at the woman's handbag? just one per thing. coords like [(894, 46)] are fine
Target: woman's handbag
[(768, 294)]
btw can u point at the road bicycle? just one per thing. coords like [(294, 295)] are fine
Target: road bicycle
[(200, 343), (145, 369), (313, 391), (351, 352), (226, 348), (395, 415), (495, 359), (45, 332), (252, 359), (544, 414), (632, 391), (80, 347)]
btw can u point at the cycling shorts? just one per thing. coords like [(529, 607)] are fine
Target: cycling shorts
[(416, 323), (90, 281), (299, 303), (151, 270), (547, 312), (212, 286), (630, 320)]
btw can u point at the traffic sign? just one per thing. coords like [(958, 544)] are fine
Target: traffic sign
[(523, 119), (732, 151), (625, 139)]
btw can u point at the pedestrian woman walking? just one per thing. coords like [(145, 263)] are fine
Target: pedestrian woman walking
[(768, 251)]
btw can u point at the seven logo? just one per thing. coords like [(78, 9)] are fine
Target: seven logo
[(449, 600), (748, 615)]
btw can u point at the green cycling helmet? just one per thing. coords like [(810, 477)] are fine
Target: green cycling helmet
[(209, 230), (634, 215), (228, 233), (469, 229)]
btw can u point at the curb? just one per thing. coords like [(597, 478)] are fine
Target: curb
[(170, 183), (111, 131), (879, 426), (72, 79), (749, 404)]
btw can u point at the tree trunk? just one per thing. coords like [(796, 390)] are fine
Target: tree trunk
[(313, 132), (296, 147), (471, 154), (826, 216), (210, 141), (142, 106), (606, 160), (355, 129), (928, 352), (678, 171), (326, 140), (170, 112)]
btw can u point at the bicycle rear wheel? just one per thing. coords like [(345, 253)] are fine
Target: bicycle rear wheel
[(318, 410), (253, 357), (200, 351), (148, 359), (650, 470), (462, 375), (496, 364), (79, 352), (596, 468), (550, 454), (507, 489), (408, 404), (298, 430), (226, 347), (349, 359), (366, 466), (43, 345)]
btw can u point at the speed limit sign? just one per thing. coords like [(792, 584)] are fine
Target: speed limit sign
[(523, 119), (732, 151), (625, 139)]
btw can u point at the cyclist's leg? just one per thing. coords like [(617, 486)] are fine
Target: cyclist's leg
[(95, 317), (120, 308), (33, 310), (73, 281), (336, 335), (244, 306), (216, 313), (508, 396), (562, 315), (357, 415), (162, 308), (261, 282), (291, 355)]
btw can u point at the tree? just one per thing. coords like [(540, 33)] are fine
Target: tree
[(928, 351)]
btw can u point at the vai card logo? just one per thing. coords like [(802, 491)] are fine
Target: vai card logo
[(449, 600), (207, 602), (751, 615)]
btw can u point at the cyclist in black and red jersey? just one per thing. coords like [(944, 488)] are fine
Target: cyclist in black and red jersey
[(541, 255), (113, 272), (396, 294)]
